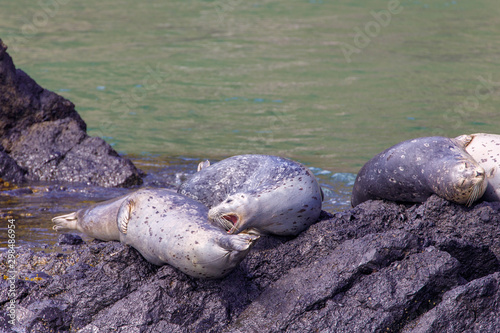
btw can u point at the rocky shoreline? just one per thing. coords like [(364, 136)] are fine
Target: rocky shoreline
[(43, 138), (379, 267)]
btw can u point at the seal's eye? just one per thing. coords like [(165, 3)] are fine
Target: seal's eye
[(462, 167), (229, 200)]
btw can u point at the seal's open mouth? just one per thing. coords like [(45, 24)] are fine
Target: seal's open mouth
[(233, 219), (227, 221)]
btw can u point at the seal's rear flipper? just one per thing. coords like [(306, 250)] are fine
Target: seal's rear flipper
[(65, 222)]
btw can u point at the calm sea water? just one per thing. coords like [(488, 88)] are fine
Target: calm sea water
[(327, 83)]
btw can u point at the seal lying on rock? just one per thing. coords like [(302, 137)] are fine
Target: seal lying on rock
[(413, 170), (485, 149), (269, 194), (165, 227)]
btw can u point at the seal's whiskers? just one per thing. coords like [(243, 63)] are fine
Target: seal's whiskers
[(475, 194), (222, 222)]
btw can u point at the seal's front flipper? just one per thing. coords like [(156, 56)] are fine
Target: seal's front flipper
[(124, 214), (65, 222), (239, 242)]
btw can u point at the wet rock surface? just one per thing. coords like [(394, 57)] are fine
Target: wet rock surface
[(379, 267), (42, 137), (9, 170)]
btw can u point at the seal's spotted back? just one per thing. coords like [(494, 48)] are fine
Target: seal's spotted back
[(413, 170)]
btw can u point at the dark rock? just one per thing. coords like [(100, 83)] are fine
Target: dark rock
[(309, 289), (379, 267), (46, 138), (9, 170), (473, 307), (69, 239)]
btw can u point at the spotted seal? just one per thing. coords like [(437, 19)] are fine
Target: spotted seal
[(268, 194), (485, 149), (166, 227), (413, 170)]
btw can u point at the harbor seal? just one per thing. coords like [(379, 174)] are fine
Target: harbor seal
[(485, 149), (413, 170), (268, 194), (168, 228)]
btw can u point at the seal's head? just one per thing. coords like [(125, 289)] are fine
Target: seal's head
[(464, 182), (235, 213)]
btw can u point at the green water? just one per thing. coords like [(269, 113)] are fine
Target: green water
[(217, 78), (209, 79)]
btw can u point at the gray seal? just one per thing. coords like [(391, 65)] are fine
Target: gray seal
[(168, 228), (268, 194), (485, 149), (413, 170)]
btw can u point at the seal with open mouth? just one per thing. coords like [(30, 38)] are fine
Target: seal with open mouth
[(268, 194)]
